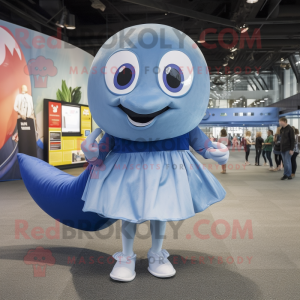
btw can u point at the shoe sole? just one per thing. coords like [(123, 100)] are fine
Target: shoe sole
[(161, 276), (122, 279)]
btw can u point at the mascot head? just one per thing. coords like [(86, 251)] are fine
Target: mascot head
[(148, 82)]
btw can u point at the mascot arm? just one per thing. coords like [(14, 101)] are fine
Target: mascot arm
[(96, 153), (208, 149)]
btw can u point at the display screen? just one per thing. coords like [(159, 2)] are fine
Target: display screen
[(70, 119)]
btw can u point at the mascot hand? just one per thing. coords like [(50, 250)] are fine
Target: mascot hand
[(219, 153), (90, 145)]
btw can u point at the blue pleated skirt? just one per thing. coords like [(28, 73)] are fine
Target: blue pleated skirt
[(141, 186)]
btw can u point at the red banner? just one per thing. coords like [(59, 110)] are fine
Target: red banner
[(54, 114)]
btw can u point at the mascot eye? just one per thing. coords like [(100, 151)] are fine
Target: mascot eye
[(124, 76), (121, 72), (173, 78), (175, 75)]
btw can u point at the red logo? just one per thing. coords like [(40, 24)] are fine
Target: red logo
[(39, 258)]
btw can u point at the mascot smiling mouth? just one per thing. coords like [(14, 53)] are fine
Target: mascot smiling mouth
[(141, 120)]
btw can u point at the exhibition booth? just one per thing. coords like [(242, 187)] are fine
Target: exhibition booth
[(43, 100)]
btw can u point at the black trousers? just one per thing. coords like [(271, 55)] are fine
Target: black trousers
[(278, 159), (268, 154), (257, 156), (247, 154), (264, 155), (294, 162)]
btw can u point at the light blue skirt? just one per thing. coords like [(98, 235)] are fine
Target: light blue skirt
[(141, 186)]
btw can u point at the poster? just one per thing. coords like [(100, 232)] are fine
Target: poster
[(68, 126)]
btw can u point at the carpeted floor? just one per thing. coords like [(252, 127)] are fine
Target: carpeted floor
[(245, 247)]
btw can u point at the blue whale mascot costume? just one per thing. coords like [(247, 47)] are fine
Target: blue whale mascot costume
[(148, 89)]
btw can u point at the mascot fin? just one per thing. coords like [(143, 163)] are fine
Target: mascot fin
[(59, 194)]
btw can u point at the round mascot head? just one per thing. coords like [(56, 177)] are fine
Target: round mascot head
[(148, 82)]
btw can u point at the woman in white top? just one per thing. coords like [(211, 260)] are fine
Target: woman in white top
[(223, 140), (247, 145)]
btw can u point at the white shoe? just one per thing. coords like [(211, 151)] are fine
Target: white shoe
[(159, 265), (124, 269)]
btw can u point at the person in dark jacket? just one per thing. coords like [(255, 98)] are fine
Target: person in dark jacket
[(258, 146), (287, 144), (276, 150)]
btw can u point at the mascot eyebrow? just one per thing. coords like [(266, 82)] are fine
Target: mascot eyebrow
[(142, 168)]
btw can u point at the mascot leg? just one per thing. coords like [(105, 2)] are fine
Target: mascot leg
[(159, 265), (124, 269)]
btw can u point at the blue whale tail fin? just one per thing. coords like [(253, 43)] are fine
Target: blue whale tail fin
[(59, 194)]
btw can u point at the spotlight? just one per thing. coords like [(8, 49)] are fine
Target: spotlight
[(97, 4), (262, 101), (266, 91), (62, 21), (252, 1), (233, 49), (70, 24), (243, 28), (231, 56), (282, 59), (66, 20), (225, 63)]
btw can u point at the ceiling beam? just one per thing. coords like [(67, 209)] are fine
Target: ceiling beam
[(261, 21), (21, 13), (169, 8)]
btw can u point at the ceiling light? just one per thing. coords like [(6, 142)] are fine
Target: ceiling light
[(98, 5), (231, 56), (166, 14), (62, 21), (282, 59), (252, 1), (262, 101), (225, 63), (238, 80), (243, 28), (70, 24), (233, 49), (266, 91)]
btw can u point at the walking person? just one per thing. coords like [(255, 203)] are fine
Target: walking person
[(247, 146), (264, 155), (258, 147), (234, 142), (287, 144), (296, 152), (223, 140), (276, 150), (268, 148)]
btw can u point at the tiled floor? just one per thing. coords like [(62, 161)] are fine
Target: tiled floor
[(250, 249)]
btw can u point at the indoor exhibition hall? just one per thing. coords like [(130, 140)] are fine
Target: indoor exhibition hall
[(149, 149)]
